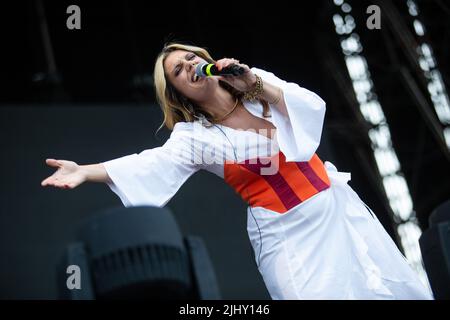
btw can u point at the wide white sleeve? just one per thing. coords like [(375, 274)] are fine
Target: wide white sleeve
[(153, 176), (298, 133)]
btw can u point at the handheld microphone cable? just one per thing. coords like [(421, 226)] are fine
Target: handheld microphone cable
[(246, 189), (248, 195)]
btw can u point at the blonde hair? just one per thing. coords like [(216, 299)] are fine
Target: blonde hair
[(175, 106)]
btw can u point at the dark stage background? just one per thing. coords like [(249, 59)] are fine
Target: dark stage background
[(92, 100)]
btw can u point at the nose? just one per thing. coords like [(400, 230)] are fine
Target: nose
[(190, 65)]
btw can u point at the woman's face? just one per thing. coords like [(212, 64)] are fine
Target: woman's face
[(179, 67)]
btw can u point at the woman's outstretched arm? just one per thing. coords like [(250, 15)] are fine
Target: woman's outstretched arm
[(69, 174)]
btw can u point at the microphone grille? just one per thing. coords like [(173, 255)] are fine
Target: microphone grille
[(199, 69)]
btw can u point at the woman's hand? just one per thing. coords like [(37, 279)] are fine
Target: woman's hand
[(245, 82), (68, 175)]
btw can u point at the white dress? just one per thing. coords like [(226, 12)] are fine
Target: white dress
[(312, 235)]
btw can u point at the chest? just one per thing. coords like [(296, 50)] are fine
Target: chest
[(245, 120)]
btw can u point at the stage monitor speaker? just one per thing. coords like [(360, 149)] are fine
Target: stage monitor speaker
[(137, 253), (435, 247)]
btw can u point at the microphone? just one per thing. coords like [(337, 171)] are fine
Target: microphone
[(209, 69)]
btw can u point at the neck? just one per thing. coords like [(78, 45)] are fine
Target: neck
[(219, 103)]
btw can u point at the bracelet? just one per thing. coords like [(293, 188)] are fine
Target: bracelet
[(251, 95), (280, 93)]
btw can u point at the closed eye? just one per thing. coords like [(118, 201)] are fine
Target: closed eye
[(177, 70), (188, 57)]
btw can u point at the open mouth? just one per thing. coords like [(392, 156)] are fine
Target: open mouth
[(195, 78)]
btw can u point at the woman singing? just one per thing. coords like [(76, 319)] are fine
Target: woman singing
[(312, 235)]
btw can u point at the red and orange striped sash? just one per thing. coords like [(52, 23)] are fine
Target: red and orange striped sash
[(292, 183)]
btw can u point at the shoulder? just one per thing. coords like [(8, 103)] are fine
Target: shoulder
[(191, 132), (182, 134), (186, 128), (182, 126)]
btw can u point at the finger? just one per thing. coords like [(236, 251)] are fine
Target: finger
[(226, 78), (53, 163), (48, 181), (222, 63), (245, 66), (61, 185), (219, 64), (67, 185), (222, 78), (53, 178), (229, 62)]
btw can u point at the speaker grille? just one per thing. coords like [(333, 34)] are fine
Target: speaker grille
[(147, 266)]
